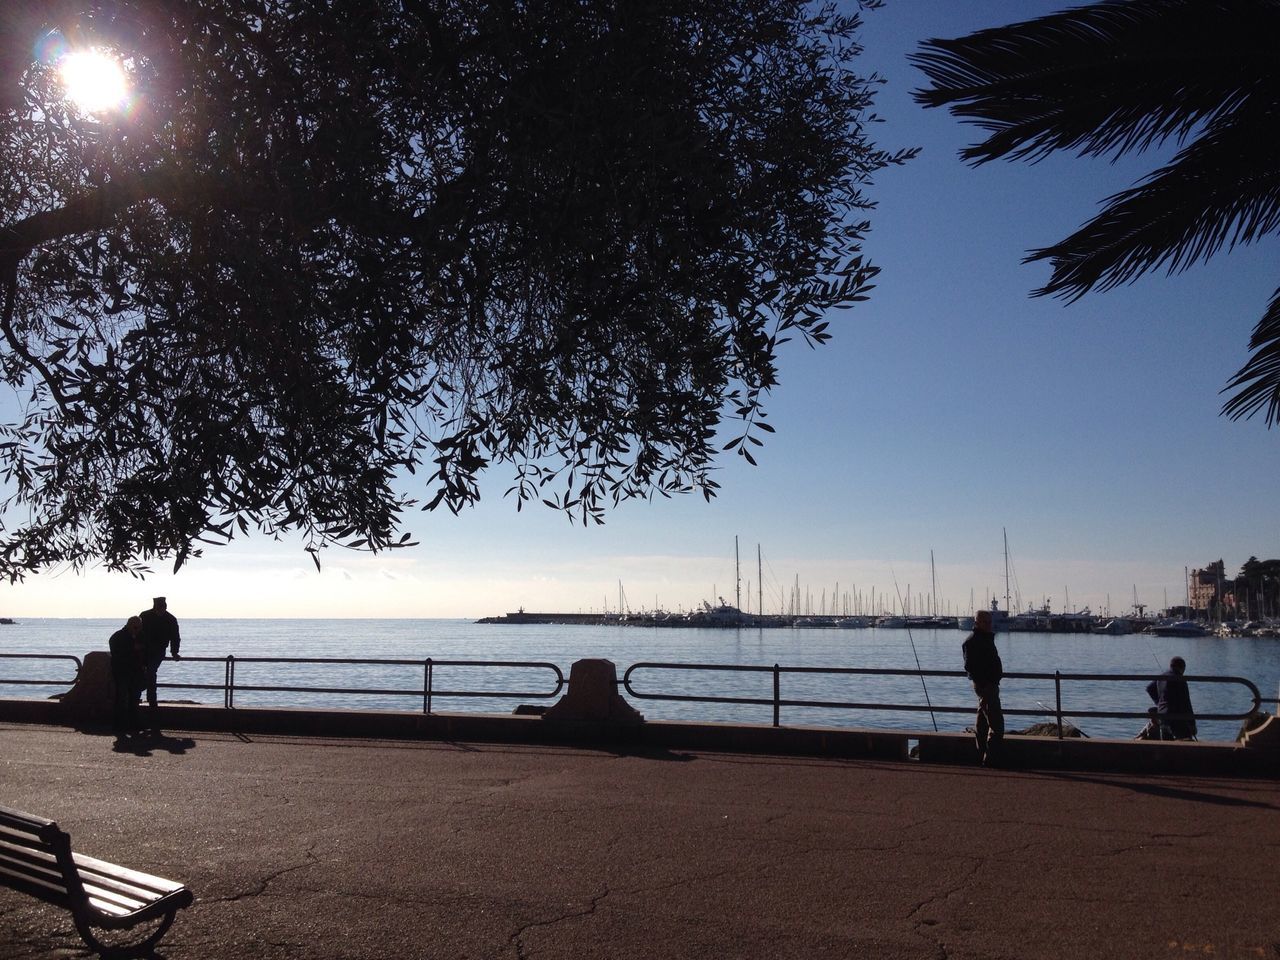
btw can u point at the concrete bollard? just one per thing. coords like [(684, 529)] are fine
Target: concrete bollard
[(89, 699), (1265, 737), (593, 695)]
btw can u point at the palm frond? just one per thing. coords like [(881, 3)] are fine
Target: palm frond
[(1259, 379), (1103, 79), (1219, 192)]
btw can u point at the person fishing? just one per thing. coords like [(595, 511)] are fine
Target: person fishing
[(983, 666), (1174, 719)]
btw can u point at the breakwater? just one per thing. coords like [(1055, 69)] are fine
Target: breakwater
[(730, 618), (722, 617)]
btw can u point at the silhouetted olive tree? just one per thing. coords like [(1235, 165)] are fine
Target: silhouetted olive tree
[(334, 242), (1122, 76)]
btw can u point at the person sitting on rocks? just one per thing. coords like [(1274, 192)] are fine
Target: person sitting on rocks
[(1175, 720)]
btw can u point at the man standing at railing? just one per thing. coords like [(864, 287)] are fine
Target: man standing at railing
[(159, 633), (982, 664)]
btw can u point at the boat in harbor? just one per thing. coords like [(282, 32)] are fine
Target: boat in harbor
[(1116, 626), (1179, 628), (852, 623), (931, 623), (1259, 628), (721, 615)]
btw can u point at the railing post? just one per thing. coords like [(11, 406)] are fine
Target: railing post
[(229, 682), (777, 693), (1057, 689), (427, 681)]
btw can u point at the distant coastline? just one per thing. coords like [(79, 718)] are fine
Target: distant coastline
[(726, 616)]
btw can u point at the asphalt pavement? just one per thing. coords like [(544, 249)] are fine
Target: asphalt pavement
[(360, 849)]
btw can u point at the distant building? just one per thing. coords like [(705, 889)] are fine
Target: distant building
[(1204, 586)]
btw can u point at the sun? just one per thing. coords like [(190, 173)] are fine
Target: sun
[(94, 81)]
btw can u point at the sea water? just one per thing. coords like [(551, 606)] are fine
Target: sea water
[(207, 643)]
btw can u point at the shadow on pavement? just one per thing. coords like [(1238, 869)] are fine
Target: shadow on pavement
[(1160, 790), (147, 743)]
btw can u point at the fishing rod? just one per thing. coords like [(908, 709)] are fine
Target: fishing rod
[(907, 623), (1146, 638)]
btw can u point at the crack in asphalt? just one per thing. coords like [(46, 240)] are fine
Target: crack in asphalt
[(1121, 851), (918, 924), (517, 938), (266, 881), (1206, 835), (684, 881)]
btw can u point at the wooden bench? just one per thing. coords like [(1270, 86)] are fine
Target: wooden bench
[(36, 858)]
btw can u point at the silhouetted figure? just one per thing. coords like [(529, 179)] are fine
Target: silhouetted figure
[(159, 633), (1175, 718), (982, 664), (127, 675)]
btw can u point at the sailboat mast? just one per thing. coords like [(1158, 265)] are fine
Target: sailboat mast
[(737, 576), (933, 596), (1007, 608), (759, 582)]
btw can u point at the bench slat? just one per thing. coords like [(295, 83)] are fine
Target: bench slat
[(135, 884), (123, 897), (47, 888), (26, 853), (11, 870), (26, 822), (17, 829), (170, 903), (18, 860), (41, 868), (110, 896), (106, 892), (102, 871), (21, 840), (111, 908)]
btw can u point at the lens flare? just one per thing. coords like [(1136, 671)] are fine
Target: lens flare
[(94, 81), (50, 48)]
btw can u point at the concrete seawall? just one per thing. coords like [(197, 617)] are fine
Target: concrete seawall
[(593, 714)]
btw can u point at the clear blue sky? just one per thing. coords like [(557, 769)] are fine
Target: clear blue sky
[(948, 407)]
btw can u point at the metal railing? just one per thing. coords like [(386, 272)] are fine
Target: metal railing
[(428, 691), (63, 682), (777, 701)]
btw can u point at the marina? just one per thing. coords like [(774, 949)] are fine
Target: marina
[(846, 611), (727, 616)]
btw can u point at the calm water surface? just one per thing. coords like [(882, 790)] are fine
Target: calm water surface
[(1255, 659)]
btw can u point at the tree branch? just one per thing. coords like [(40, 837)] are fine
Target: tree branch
[(89, 211), (18, 346)]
